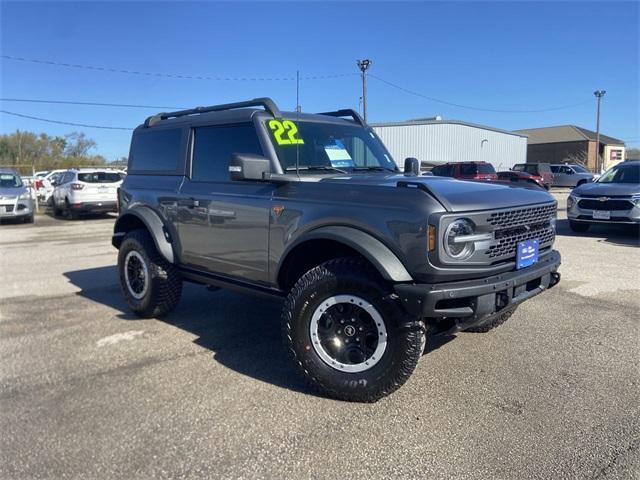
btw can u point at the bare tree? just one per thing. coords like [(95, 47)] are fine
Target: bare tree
[(78, 145)]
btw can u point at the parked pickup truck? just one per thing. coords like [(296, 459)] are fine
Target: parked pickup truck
[(312, 208)]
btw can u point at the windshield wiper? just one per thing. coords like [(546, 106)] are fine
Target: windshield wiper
[(325, 168)]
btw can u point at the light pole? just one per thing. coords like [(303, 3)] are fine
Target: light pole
[(364, 65), (599, 94)]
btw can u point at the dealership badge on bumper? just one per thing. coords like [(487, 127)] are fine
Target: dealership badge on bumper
[(527, 253)]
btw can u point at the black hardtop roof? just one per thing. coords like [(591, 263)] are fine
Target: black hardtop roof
[(241, 112)]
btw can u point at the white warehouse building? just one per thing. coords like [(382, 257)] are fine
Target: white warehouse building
[(434, 141)]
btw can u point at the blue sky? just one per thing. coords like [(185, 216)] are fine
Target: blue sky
[(493, 55)]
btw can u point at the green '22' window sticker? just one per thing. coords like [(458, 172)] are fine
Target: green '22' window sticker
[(285, 132)]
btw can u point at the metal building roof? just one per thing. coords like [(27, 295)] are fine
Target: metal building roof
[(431, 121), (565, 133)]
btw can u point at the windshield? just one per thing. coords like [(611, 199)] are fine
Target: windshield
[(621, 174), (99, 177), (10, 180), (327, 146)]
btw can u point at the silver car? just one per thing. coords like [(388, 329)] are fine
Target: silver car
[(570, 175), (613, 199), (16, 200)]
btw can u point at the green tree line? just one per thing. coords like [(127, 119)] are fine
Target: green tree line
[(26, 150)]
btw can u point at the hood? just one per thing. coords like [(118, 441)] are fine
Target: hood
[(457, 195), (12, 191), (607, 189)]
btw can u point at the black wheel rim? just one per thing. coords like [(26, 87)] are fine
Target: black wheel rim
[(348, 333), (136, 274)]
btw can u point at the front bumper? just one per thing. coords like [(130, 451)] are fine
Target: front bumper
[(474, 302), (19, 209), (629, 216)]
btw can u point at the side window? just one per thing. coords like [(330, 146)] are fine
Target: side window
[(156, 150), (66, 178), (213, 147), (468, 169), (555, 169)]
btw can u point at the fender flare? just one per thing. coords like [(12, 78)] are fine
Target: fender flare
[(154, 225), (383, 259)]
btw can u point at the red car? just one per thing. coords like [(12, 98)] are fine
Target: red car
[(466, 171), (522, 177)]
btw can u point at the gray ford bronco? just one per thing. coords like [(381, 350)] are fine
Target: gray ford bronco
[(312, 208)]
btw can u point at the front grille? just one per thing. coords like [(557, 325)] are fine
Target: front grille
[(8, 208), (515, 226), (521, 216), (611, 204)]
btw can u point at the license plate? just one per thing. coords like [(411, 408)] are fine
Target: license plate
[(601, 215), (527, 253)]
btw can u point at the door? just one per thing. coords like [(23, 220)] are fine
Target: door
[(224, 225), (62, 186), (564, 177)]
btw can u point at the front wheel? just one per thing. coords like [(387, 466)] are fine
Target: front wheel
[(578, 227), (151, 286), (348, 334)]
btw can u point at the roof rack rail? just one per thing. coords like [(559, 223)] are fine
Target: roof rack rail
[(268, 104), (347, 112)]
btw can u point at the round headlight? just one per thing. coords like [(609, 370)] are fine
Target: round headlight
[(455, 248)]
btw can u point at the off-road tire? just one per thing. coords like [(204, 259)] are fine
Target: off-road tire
[(405, 340), (165, 284), (496, 322), (578, 227)]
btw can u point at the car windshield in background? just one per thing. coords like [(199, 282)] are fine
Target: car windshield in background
[(10, 180), (327, 147), (621, 174), (99, 177)]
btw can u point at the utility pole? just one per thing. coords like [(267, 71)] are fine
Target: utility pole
[(599, 94), (364, 65)]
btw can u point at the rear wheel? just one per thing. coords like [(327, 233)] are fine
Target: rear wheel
[(347, 333), (578, 227), (151, 286), (68, 211)]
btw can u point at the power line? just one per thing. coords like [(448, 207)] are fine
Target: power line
[(96, 104), (171, 75), (63, 123), (469, 107)]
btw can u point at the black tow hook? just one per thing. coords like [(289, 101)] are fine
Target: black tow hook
[(554, 279)]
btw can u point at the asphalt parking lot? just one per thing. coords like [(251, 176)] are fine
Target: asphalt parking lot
[(89, 391)]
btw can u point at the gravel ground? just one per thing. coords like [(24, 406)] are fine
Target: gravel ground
[(89, 391)]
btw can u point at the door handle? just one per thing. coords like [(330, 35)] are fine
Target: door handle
[(189, 203)]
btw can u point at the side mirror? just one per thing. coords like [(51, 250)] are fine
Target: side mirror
[(411, 166), (247, 166)]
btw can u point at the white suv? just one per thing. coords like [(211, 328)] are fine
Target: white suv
[(87, 190)]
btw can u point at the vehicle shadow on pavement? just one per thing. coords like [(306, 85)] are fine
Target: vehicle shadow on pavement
[(243, 332), (624, 235)]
